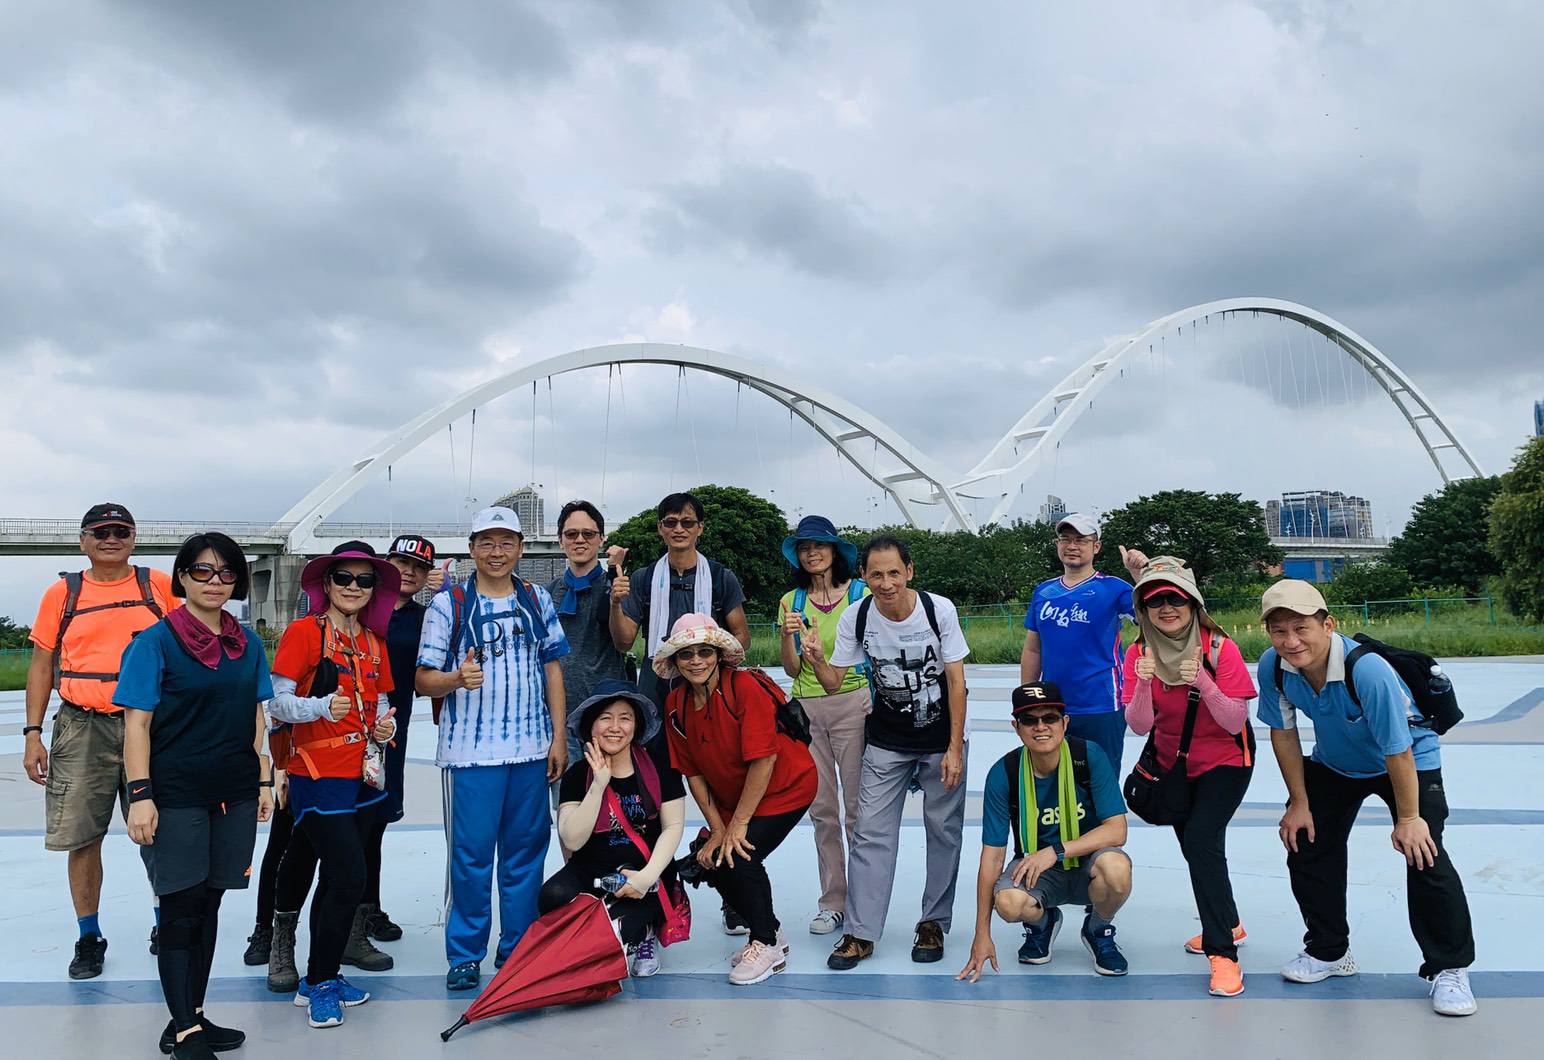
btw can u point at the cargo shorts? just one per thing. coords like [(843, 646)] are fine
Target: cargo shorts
[(85, 777)]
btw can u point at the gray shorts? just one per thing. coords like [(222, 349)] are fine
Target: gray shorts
[(196, 844), (1057, 886)]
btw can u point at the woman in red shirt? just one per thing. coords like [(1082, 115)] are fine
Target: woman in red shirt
[(752, 781), (1179, 649), (339, 647)]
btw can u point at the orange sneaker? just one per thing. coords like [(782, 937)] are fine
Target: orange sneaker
[(1227, 979), (1194, 945)]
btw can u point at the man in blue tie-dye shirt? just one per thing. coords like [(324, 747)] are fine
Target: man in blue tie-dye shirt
[(491, 647)]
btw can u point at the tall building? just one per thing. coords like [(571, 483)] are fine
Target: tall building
[(529, 506), (1323, 513), (1538, 418), (1053, 510), (1273, 518)]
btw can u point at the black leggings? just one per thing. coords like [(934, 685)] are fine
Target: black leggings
[(745, 888), (280, 830), (635, 917), (189, 922), (1214, 798), (374, 834), (339, 837), (295, 870)]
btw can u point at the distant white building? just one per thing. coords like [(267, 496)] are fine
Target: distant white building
[(529, 506), (1053, 510)]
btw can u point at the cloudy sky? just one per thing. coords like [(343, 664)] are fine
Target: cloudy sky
[(240, 242)]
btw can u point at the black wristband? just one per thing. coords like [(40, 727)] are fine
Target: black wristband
[(265, 783), (139, 791), (25, 729)]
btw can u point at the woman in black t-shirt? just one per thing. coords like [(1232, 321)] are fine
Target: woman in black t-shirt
[(613, 783)]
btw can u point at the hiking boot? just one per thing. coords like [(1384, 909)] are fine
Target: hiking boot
[(1306, 969), (349, 995), (1100, 944), (379, 926), (1036, 948), (849, 952), (282, 976), (827, 921), (463, 976), (89, 955), (1194, 945), (360, 951), (324, 1008), (734, 923), (646, 957), (220, 1039), (195, 1046), (257, 946), (155, 940), (1227, 978), (1451, 994), (928, 946), (760, 962)]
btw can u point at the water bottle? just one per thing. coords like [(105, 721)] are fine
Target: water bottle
[(1439, 683), (611, 884)]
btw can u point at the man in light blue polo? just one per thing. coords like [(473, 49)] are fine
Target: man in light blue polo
[(491, 647), (1368, 740)]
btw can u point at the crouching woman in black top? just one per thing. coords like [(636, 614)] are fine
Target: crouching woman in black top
[(192, 687), (618, 788)]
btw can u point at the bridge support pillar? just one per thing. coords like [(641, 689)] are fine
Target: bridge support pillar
[(276, 589)]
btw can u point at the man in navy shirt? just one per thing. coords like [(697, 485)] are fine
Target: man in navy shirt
[(1072, 636), (1367, 744)]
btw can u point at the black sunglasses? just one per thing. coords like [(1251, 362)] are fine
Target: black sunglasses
[(685, 524), (102, 533), (203, 572), (1166, 600), (344, 579), (1034, 721)]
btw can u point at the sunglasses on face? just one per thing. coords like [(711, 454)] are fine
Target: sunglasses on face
[(102, 533), (580, 535), (343, 579), (688, 654), (1034, 721), (1166, 600), (203, 572), (685, 524)]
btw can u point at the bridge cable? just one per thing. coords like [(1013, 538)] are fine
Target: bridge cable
[(391, 507), (533, 432), (471, 455), (451, 428), (552, 439), (605, 438), (675, 427), (691, 422)]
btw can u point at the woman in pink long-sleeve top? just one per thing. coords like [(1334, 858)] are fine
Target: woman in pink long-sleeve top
[(1180, 647)]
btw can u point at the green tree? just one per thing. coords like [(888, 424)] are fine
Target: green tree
[(1372, 580), (1221, 535), (12, 635), (1517, 533), (1447, 540), (744, 532)]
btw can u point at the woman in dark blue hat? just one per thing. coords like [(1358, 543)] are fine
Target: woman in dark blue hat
[(825, 586), (620, 811)]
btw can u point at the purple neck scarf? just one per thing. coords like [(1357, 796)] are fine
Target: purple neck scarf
[(203, 645)]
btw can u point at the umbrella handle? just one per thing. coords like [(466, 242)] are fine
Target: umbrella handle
[(445, 1034)]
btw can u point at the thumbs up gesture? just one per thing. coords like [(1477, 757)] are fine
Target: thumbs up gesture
[(385, 726), (1133, 559), (620, 585), (470, 672), (436, 579), (1190, 668)]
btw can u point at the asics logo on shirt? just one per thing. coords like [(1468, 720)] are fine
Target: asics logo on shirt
[(1063, 616)]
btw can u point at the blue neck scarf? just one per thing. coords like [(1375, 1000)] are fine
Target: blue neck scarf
[(575, 585)]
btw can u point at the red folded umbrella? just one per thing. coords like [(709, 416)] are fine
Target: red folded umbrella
[(571, 954)]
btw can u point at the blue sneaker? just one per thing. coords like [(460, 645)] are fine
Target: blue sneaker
[(326, 1004), (1108, 959), (464, 976), (1038, 938), (349, 995)]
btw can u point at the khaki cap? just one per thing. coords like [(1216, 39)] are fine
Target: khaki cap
[(1299, 597)]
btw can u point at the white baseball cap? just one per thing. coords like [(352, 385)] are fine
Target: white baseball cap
[(496, 518), (1083, 524)]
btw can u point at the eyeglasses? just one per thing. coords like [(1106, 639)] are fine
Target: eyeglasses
[(685, 524), (203, 572), (365, 580), (485, 546), (1166, 600), (580, 535), (102, 533), (1034, 721), (1072, 539), (688, 654)]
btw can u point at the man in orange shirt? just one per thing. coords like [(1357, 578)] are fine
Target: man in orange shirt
[(84, 623)]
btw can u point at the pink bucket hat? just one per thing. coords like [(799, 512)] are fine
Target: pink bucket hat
[(383, 601), (695, 629)]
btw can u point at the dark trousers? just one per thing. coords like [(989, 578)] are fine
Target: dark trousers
[(295, 871), (339, 840), (634, 916), (745, 888), (374, 835), (1439, 912), (279, 828), (1214, 798), (189, 922)]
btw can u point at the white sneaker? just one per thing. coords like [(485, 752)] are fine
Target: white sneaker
[(1451, 995), (826, 921), (646, 957), (760, 962), (1306, 969)]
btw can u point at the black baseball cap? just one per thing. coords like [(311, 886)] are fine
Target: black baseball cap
[(106, 514), (413, 547), (1037, 694)]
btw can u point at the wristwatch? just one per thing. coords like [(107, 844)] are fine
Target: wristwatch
[(1061, 851), (25, 729)]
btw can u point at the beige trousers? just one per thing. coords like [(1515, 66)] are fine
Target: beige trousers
[(836, 744)]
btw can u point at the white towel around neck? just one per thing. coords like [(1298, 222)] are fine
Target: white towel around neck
[(659, 598)]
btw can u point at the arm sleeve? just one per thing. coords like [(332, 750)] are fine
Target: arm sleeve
[(139, 675), (1225, 710), (1106, 794), (285, 705), (1385, 704), (434, 640), (847, 651), (951, 643), (1138, 695), (1272, 709), (758, 718), (994, 807), (554, 642), (1129, 673)]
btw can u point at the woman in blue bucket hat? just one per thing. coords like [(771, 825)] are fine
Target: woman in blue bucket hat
[(824, 576)]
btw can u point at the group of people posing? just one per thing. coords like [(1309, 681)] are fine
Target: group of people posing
[(171, 709)]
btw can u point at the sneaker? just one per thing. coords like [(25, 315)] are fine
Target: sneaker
[(193, 1047), (220, 1039), (826, 921), (928, 944), (155, 940), (1108, 959), (379, 925), (849, 952), (359, 952), (349, 995), (646, 958), (258, 945), (1194, 945), (1451, 995), (325, 1005), (89, 955), (734, 924), (1038, 938), (760, 962), (463, 976), (1227, 978), (739, 955), (1306, 969)]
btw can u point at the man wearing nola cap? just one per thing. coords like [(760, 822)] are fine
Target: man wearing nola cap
[(491, 647), (1366, 743), (84, 623), (1061, 801), (1072, 635)]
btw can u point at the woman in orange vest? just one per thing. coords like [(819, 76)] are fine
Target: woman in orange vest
[(336, 761)]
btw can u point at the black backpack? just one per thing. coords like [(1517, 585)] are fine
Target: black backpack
[(1077, 748), (74, 581), (1433, 693), (789, 712), (932, 621)]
